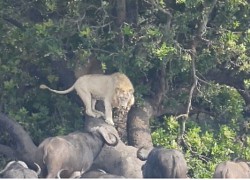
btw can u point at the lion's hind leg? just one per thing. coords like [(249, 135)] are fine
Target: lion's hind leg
[(86, 98), (98, 113)]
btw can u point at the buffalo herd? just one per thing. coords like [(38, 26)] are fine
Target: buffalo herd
[(98, 152)]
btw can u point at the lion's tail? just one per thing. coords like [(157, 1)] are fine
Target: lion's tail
[(43, 86)]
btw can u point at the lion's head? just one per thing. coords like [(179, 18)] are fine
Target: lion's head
[(123, 99)]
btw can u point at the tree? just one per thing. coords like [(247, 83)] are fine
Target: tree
[(188, 61), (22, 147)]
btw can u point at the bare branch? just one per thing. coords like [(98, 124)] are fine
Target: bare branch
[(165, 11), (208, 7), (161, 9), (14, 22)]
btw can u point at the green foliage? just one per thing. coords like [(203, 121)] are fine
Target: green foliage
[(163, 51), (159, 137), (225, 102), (205, 149)]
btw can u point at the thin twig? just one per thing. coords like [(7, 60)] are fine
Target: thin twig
[(208, 7), (194, 153)]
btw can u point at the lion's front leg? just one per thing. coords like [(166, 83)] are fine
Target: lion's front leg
[(108, 112)]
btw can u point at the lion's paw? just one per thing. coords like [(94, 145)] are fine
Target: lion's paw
[(110, 122), (99, 114)]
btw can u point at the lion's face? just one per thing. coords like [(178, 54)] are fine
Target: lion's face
[(123, 99)]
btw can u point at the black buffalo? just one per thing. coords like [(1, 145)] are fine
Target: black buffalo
[(74, 152), (163, 163)]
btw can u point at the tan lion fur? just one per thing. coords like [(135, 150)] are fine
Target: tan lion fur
[(116, 90)]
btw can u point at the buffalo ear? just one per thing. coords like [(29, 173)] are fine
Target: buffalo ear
[(110, 138)]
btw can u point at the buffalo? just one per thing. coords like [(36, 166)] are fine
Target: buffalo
[(74, 175), (94, 173), (100, 174), (74, 152), (231, 169), (120, 159), (19, 169), (97, 173), (163, 163)]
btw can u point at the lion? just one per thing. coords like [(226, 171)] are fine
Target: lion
[(115, 90)]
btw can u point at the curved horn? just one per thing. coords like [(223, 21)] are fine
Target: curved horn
[(38, 172), (101, 170), (76, 174), (22, 164), (110, 138), (142, 153), (7, 166), (58, 173)]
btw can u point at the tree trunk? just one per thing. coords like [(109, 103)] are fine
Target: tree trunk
[(23, 148), (132, 12), (121, 12), (120, 120), (139, 134)]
